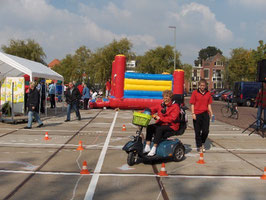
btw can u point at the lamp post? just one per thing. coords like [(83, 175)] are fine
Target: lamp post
[(174, 27)]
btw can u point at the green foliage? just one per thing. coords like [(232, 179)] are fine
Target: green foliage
[(102, 59), (241, 65), (206, 53), (188, 72), (260, 53), (28, 49), (97, 66), (159, 60)]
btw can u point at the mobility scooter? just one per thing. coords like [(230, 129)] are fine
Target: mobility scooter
[(166, 149)]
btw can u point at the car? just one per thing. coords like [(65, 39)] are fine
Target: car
[(218, 95)]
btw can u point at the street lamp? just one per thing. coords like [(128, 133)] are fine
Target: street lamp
[(174, 27)]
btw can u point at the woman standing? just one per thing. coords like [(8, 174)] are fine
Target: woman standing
[(201, 109)]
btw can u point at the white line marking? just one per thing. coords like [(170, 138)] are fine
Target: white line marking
[(95, 177), (133, 175)]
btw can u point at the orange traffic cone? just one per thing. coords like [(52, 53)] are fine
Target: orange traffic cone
[(163, 171), (201, 160), (124, 128), (46, 137), (84, 168), (80, 148), (264, 174)]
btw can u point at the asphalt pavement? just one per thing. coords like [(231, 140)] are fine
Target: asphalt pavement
[(34, 168)]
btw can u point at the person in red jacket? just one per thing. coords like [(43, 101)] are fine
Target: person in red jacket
[(107, 87), (167, 114), (201, 109)]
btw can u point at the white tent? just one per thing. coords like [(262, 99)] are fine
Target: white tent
[(13, 66)]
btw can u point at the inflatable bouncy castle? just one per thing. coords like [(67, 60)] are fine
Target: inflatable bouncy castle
[(137, 91)]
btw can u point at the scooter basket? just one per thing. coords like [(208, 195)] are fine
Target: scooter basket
[(141, 119)]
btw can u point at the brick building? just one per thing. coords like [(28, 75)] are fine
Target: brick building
[(212, 71)]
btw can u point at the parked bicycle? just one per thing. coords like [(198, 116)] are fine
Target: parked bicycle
[(230, 110)]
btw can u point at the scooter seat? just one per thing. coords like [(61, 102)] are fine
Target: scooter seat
[(180, 131)]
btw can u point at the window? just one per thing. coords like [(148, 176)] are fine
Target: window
[(206, 73), (218, 63)]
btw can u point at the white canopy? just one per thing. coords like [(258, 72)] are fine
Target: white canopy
[(13, 66)]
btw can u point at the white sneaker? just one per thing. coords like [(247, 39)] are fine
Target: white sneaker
[(147, 149), (152, 152)]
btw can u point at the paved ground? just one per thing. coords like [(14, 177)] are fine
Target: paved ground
[(32, 168)]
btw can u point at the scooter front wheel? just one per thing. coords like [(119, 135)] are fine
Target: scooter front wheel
[(132, 158)]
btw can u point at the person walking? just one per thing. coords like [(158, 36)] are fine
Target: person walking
[(201, 109), (72, 99), (52, 94), (33, 106), (86, 96)]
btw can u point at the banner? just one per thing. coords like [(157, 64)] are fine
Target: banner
[(18, 92)]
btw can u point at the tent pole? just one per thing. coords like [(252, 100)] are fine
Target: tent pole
[(63, 95), (12, 103), (55, 107), (45, 86)]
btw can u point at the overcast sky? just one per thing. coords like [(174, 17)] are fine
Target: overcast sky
[(62, 26)]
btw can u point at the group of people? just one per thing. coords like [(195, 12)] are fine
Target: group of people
[(165, 114)]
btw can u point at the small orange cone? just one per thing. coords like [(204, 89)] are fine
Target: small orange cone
[(264, 174), (163, 171), (84, 168), (46, 137), (201, 160), (80, 148), (124, 128)]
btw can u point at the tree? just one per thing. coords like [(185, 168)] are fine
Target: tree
[(72, 67), (188, 72), (158, 60), (260, 53), (28, 49), (97, 66), (241, 65), (102, 59), (206, 53)]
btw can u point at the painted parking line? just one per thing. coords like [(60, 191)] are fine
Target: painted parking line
[(91, 189), (135, 175)]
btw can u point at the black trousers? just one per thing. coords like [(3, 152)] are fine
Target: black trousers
[(52, 100), (158, 131), (201, 127), (86, 103)]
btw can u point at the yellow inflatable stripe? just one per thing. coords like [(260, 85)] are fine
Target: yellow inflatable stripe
[(147, 87), (147, 82)]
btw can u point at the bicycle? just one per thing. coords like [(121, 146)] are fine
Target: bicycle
[(230, 110)]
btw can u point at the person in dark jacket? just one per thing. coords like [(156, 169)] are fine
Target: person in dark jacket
[(33, 106), (72, 99), (167, 115)]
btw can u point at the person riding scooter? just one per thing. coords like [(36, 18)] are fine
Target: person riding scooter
[(167, 115)]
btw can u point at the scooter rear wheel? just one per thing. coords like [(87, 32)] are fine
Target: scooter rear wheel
[(179, 153), (132, 158)]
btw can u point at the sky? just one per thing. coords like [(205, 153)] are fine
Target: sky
[(62, 26)]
